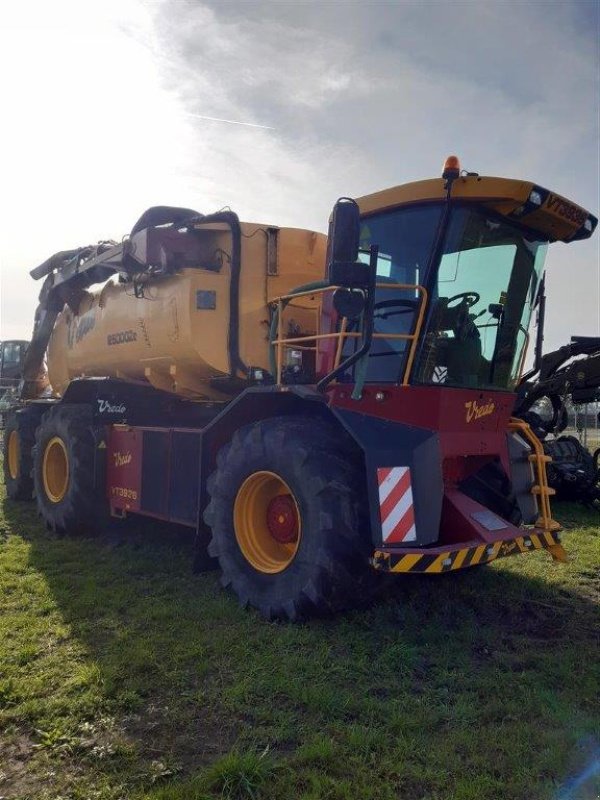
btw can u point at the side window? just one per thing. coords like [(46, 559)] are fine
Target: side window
[(405, 237), (384, 263)]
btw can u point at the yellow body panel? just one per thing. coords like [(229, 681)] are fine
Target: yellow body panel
[(470, 188), (557, 218), (163, 337)]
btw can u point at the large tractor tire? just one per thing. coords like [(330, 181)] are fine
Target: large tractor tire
[(19, 439), (288, 517), (63, 472)]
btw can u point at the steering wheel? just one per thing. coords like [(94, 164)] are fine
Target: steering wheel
[(470, 298), (392, 302)]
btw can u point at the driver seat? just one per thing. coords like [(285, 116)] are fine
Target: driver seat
[(463, 360)]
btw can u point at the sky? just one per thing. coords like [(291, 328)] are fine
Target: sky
[(106, 105)]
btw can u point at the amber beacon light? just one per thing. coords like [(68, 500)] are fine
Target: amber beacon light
[(451, 168)]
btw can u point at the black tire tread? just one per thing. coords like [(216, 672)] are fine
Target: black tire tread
[(82, 511), (24, 421), (339, 574)]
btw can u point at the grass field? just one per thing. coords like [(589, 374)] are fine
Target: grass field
[(122, 675)]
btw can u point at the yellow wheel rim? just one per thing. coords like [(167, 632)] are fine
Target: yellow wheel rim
[(13, 455), (55, 470), (267, 522)]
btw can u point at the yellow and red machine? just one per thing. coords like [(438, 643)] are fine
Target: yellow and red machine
[(318, 410)]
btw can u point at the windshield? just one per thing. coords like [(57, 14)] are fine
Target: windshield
[(480, 303), (480, 300)]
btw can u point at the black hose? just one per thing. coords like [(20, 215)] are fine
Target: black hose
[(233, 344)]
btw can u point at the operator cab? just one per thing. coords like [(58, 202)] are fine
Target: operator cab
[(472, 251), (12, 358), (481, 292)]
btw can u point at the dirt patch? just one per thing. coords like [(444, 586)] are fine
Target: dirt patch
[(16, 777), (158, 733)]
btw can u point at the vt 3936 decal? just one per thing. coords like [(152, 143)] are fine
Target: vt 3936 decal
[(475, 411)]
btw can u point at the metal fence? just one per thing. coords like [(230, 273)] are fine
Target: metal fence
[(584, 424)]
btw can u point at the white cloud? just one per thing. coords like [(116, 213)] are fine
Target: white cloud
[(360, 96)]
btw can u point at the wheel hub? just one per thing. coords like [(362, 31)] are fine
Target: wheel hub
[(55, 470), (282, 519), (267, 522)]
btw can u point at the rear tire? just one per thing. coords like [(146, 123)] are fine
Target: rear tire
[(63, 472), (300, 482), (19, 439)]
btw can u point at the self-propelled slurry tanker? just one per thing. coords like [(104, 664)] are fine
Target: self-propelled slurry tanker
[(318, 410)]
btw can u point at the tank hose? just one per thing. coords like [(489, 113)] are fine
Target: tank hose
[(306, 287)]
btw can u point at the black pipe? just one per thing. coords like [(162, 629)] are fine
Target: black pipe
[(233, 344), (541, 316)]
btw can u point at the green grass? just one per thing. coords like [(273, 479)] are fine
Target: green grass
[(122, 675)]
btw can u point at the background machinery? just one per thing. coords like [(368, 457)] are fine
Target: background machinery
[(317, 410), (12, 359), (571, 373)]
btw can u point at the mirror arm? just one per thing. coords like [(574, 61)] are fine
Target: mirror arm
[(368, 328)]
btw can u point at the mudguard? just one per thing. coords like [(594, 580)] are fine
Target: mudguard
[(404, 478)]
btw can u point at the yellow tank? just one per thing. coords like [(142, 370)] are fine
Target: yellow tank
[(172, 329)]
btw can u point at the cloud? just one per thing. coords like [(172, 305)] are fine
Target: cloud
[(105, 109), (364, 96), (397, 82)]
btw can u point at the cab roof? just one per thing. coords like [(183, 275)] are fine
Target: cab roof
[(546, 212)]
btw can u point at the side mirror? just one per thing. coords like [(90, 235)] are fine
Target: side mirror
[(343, 267), (349, 303), (344, 231)]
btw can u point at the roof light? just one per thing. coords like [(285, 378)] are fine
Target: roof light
[(535, 198), (451, 167)]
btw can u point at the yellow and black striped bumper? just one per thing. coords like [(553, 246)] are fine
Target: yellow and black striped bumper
[(395, 561)]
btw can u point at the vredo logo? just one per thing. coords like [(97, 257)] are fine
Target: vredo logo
[(565, 209), (122, 459), (476, 411), (104, 407)]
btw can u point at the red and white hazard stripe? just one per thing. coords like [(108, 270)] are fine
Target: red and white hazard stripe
[(396, 505)]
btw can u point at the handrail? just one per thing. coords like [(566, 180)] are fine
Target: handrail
[(540, 489), (340, 336)]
